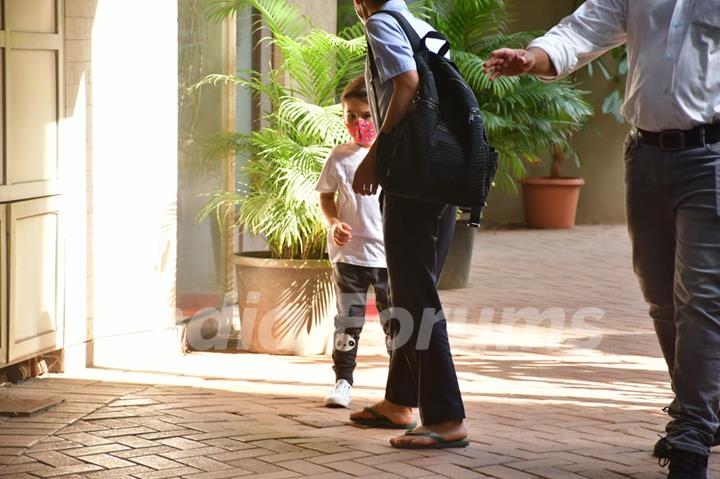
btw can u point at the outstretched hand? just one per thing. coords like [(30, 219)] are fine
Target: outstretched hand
[(509, 62)]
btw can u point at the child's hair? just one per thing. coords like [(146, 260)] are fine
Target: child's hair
[(355, 89)]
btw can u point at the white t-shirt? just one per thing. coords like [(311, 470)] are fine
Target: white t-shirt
[(361, 213)]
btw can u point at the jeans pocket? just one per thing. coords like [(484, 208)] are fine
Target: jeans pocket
[(630, 146), (717, 186), (713, 148)]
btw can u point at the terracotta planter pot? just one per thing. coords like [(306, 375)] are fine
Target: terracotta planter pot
[(286, 306), (456, 272), (551, 203)]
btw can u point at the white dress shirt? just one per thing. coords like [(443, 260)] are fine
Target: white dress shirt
[(673, 77)]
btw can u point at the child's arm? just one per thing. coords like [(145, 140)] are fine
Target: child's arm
[(340, 232)]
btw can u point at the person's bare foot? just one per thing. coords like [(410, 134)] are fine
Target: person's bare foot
[(449, 430), (395, 413)]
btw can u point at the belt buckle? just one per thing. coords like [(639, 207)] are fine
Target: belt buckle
[(667, 144)]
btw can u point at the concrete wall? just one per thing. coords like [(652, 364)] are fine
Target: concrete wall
[(77, 153), (599, 144), (323, 13), (120, 137)]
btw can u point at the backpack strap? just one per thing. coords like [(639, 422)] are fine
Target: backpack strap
[(373, 74), (438, 36), (475, 214), (415, 42), (371, 59)]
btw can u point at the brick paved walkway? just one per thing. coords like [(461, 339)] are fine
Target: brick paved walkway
[(576, 395)]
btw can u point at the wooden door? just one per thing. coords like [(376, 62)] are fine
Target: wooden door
[(35, 289)]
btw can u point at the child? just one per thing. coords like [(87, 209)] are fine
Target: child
[(355, 239)]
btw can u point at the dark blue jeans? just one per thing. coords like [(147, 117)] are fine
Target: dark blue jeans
[(673, 209), (421, 373)]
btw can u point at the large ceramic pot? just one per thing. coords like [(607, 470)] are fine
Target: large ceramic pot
[(286, 306), (551, 203), (456, 272)]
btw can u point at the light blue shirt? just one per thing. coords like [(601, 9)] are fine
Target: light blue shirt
[(393, 53), (673, 46)]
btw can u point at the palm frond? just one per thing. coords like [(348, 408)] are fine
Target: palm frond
[(352, 32), (524, 117), (323, 123), (319, 64), (281, 16)]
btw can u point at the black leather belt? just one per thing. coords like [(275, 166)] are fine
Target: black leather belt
[(681, 139)]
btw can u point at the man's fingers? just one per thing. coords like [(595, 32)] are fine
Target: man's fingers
[(493, 62), (503, 53)]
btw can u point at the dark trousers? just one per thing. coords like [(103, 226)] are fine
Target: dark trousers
[(673, 209), (352, 283), (421, 373)]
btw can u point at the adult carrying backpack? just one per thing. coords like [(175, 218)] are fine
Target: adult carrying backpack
[(439, 152)]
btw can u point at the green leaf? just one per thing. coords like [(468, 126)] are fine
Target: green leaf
[(524, 117)]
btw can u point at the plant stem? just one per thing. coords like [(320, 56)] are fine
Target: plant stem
[(558, 156)]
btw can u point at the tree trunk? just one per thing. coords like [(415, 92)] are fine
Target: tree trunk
[(558, 156)]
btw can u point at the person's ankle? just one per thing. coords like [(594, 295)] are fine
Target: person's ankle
[(396, 407)]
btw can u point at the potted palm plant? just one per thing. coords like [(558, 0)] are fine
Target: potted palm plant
[(551, 201), (285, 294)]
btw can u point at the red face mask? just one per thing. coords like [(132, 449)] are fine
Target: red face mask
[(362, 131)]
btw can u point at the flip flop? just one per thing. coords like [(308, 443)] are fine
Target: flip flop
[(380, 421), (440, 442)]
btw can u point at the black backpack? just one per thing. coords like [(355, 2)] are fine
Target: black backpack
[(439, 152)]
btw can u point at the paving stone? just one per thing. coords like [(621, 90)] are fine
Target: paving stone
[(550, 392), (54, 458), (86, 451), (107, 461)]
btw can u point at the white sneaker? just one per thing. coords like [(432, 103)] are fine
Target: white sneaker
[(340, 395)]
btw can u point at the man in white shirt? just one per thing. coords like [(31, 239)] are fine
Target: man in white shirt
[(673, 184)]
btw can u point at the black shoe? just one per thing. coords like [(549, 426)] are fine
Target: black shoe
[(686, 465), (662, 447)]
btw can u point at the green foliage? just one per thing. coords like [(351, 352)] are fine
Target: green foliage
[(614, 73), (524, 116), (278, 199)]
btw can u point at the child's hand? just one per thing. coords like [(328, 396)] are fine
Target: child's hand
[(341, 233)]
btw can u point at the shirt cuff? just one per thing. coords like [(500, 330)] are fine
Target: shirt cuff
[(555, 57)]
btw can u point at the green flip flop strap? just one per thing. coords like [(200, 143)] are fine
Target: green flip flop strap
[(375, 414), (431, 435)]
